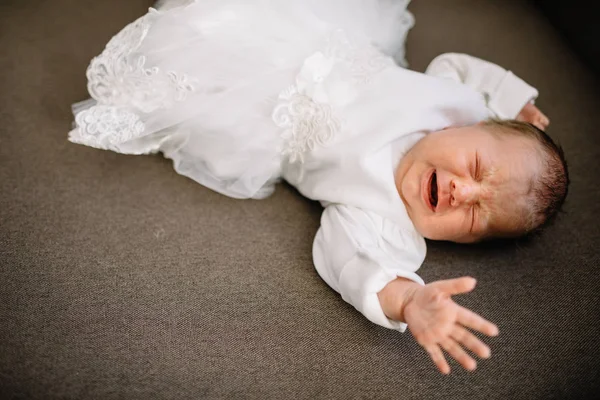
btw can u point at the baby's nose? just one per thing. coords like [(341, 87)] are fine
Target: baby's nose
[(462, 192)]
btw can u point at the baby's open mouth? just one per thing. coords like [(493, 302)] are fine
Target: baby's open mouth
[(433, 189)]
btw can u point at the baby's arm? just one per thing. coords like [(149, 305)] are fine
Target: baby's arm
[(352, 257), (372, 265), (507, 96)]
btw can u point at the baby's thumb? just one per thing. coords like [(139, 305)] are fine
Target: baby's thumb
[(457, 285)]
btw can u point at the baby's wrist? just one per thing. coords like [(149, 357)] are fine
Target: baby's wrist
[(394, 297)]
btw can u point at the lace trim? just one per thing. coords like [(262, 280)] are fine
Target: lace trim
[(306, 110), (106, 126), (118, 79)]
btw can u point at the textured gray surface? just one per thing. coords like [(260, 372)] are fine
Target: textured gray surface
[(121, 279)]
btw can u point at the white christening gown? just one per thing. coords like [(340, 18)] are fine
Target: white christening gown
[(240, 94), (210, 83)]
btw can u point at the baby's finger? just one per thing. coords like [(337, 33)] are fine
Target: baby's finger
[(544, 121), (457, 352), (457, 286), (540, 123), (438, 358), (471, 320), (471, 342)]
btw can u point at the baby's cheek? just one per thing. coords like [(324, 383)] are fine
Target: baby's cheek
[(450, 226), (434, 227), (425, 225)]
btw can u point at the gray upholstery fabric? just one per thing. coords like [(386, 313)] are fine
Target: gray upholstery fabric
[(122, 280)]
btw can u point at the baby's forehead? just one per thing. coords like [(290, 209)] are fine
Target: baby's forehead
[(508, 194), (511, 160), (509, 209)]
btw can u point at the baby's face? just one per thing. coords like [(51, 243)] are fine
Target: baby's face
[(458, 183)]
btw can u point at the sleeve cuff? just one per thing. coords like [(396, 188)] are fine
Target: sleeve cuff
[(360, 288), (511, 95)]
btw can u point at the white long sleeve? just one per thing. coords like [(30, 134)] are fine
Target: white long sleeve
[(358, 253), (505, 93)]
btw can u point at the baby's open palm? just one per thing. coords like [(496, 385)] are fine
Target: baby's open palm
[(437, 323)]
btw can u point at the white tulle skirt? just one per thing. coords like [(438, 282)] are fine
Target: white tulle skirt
[(199, 81)]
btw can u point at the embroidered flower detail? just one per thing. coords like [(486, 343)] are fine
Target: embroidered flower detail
[(362, 60), (106, 126), (310, 80), (119, 77), (183, 85), (327, 80), (111, 77), (122, 83), (306, 124)]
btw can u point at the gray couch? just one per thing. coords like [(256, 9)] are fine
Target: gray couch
[(123, 280)]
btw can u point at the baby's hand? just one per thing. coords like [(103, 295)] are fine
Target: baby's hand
[(530, 113), (435, 320)]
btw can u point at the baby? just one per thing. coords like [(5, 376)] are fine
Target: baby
[(494, 179), (242, 95)]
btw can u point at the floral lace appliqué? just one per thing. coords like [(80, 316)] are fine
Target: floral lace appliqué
[(123, 85), (118, 77), (363, 60), (105, 126), (306, 124), (327, 79)]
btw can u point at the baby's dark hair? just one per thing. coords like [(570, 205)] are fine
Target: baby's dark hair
[(549, 189)]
